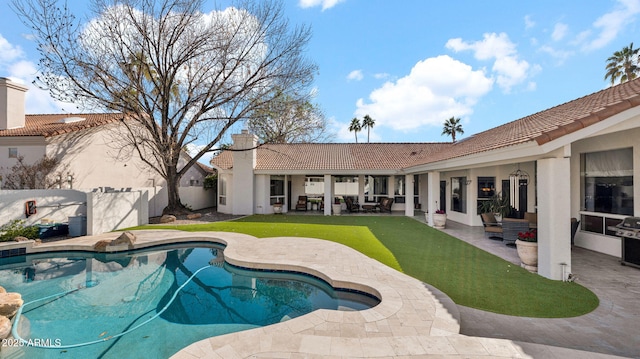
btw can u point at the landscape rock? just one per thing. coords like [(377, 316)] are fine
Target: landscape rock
[(194, 215), (127, 238), (5, 327), (167, 218), (20, 239), (2, 290), (101, 245), (10, 303)]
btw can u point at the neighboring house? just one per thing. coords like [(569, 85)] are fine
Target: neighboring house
[(85, 144), (580, 159)]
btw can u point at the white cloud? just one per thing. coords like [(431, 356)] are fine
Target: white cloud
[(559, 31), (436, 89), (9, 52), (560, 55), (607, 26), (355, 75), (508, 68), (381, 75), (326, 4), (528, 23), (14, 66)]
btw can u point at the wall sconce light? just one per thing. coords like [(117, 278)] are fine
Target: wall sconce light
[(468, 182), (70, 180), (58, 182)]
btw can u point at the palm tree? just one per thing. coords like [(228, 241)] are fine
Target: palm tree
[(623, 64), (355, 126), (451, 127), (368, 123)]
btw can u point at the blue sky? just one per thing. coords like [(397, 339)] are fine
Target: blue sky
[(411, 65)]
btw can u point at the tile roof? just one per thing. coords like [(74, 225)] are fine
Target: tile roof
[(550, 124), (542, 127), (336, 156), (50, 125)]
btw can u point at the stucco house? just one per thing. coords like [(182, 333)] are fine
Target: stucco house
[(84, 144), (579, 159)]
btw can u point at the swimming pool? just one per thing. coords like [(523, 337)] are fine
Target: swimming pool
[(190, 290)]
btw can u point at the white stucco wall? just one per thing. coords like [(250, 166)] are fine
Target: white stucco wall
[(55, 205), (108, 211)]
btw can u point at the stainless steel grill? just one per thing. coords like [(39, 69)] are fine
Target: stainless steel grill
[(629, 232)]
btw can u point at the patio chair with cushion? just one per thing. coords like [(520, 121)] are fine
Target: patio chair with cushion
[(351, 207), (511, 227), (302, 203), (532, 218), (492, 229), (385, 204)]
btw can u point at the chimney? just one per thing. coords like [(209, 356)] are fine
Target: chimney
[(11, 104), (244, 162)]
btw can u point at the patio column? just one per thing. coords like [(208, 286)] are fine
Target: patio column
[(328, 194), (361, 198), (554, 217), (408, 195), (433, 194)]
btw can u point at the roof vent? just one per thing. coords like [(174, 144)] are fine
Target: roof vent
[(72, 119)]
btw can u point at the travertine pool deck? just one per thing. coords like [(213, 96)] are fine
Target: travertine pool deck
[(412, 319)]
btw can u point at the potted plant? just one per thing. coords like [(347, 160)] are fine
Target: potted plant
[(439, 219), (527, 246), (498, 205), (336, 206), (277, 207)]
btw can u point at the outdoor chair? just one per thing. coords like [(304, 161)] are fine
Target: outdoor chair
[(351, 207), (511, 227), (302, 203), (532, 218), (385, 204), (492, 228)]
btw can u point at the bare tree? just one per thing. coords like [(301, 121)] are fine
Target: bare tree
[(178, 75), (39, 175), (289, 120)]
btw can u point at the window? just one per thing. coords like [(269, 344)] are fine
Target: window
[(607, 188), (276, 190), (13, 152), (222, 188), (607, 181), (459, 194), (375, 187), (486, 190)]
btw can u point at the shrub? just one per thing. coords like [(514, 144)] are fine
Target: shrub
[(17, 228)]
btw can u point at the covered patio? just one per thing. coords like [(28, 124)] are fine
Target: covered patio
[(610, 329)]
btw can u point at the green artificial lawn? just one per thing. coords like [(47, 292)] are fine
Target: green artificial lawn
[(468, 275)]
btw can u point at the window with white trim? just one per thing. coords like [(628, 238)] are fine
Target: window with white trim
[(606, 188), (222, 191), (276, 191)]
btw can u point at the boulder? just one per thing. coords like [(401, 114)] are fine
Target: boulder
[(20, 239), (10, 303), (5, 327), (167, 218), (2, 290), (101, 245), (127, 238), (194, 215)]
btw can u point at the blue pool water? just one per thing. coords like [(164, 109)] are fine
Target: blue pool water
[(94, 297)]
